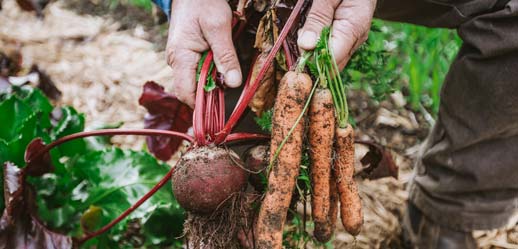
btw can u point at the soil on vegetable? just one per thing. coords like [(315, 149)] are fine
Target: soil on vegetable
[(222, 227), (204, 178)]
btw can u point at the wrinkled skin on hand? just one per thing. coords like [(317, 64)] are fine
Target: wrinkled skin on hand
[(350, 20), (197, 26)]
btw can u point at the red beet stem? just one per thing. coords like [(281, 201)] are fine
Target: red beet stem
[(287, 54), (221, 118), (128, 211), (199, 108), (241, 105), (110, 132), (234, 137), (211, 104)]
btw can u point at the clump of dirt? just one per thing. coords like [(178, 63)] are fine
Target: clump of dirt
[(227, 227)]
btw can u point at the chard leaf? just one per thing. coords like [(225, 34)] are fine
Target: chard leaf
[(112, 180), (68, 121), (14, 113), (20, 226)]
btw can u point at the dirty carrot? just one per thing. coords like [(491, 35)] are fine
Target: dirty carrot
[(285, 157), (350, 203), (333, 203), (321, 137), (323, 233), (323, 66)]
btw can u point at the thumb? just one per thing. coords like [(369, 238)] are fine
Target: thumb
[(218, 33), (320, 15)]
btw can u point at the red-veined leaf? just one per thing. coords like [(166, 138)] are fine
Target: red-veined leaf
[(165, 112), (19, 225), (37, 164)]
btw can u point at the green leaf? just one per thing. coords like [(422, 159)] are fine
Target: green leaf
[(26, 113), (71, 122), (91, 219), (16, 147), (110, 179), (39, 103), (14, 113), (114, 179), (99, 143), (200, 65), (312, 68), (323, 40), (211, 85), (4, 150), (117, 179), (265, 120), (33, 98)]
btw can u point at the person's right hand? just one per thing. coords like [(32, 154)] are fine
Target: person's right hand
[(196, 26), (350, 21)]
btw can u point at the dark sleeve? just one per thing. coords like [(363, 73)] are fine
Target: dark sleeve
[(165, 5)]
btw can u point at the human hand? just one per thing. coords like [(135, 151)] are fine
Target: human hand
[(350, 20), (196, 26)]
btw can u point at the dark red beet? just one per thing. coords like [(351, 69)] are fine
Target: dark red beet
[(207, 176)]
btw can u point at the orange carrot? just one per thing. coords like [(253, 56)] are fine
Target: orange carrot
[(325, 232), (350, 203), (321, 136), (333, 203), (294, 90)]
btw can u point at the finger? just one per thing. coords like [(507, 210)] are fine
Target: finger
[(184, 45), (218, 32), (350, 30), (320, 15), (342, 43), (184, 63)]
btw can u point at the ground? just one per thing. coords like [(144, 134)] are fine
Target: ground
[(101, 62)]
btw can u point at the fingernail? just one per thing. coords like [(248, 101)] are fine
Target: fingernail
[(233, 78), (307, 40)]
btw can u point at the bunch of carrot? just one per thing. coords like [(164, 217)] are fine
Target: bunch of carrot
[(327, 137), (331, 141)]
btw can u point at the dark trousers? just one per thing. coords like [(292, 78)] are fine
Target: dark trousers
[(467, 174)]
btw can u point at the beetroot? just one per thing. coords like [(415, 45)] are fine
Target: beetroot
[(207, 176)]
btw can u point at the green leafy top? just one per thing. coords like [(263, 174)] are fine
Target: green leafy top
[(93, 182), (265, 120), (322, 65), (98, 186)]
